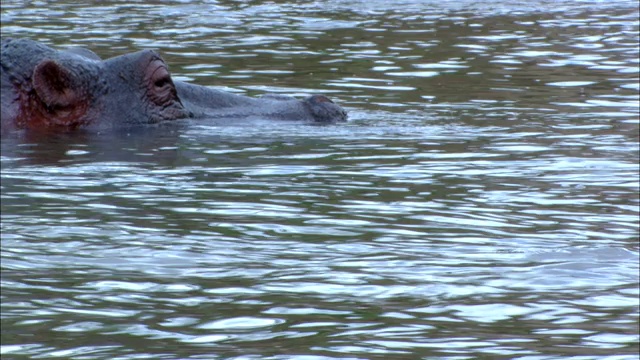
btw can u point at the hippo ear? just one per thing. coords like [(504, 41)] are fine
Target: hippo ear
[(54, 85)]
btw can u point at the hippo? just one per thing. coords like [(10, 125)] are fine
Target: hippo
[(48, 89)]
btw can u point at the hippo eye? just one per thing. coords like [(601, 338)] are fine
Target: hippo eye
[(160, 85), (162, 82)]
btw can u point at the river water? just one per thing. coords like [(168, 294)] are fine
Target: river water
[(481, 202)]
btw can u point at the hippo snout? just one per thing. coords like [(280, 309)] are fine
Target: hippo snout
[(324, 110)]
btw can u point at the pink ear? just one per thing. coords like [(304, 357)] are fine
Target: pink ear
[(54, 85)]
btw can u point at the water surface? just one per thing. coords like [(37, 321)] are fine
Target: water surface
[(481, 202)]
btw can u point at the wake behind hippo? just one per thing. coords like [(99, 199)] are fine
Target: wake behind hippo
[(48, 89)]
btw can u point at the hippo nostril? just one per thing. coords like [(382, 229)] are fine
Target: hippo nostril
[(324, 110), (320, 99)]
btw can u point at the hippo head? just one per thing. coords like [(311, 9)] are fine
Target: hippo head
[(44, 88), (69, 89)]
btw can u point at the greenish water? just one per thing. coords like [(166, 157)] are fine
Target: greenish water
[(481, 202)]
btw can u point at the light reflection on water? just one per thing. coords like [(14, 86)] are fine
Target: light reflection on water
[(481, 202)]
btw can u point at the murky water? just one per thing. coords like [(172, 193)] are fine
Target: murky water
[(481, 203)]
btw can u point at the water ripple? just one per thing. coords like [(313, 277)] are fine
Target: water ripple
[(480, 202)]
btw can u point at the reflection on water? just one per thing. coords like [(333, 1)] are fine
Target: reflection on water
[(482, 202)]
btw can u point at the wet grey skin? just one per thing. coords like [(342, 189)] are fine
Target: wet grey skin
[(45, 89), (205, 102)]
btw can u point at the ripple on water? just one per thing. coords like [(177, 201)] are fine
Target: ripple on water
[(481, 201)]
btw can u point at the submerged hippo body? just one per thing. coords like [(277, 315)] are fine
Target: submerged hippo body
[(45, 89)]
